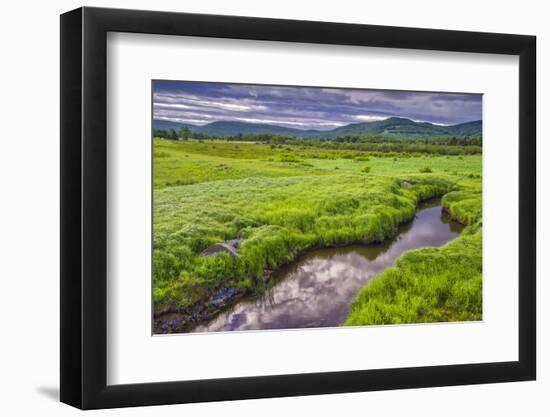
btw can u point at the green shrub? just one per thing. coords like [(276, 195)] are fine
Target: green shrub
[(290, 158), (362, 158)]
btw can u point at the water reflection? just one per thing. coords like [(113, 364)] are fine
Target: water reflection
[(316, 289)]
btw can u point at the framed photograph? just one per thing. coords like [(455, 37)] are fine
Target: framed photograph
[(257, 207)]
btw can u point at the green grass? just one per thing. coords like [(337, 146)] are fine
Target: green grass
[(190, 162), (282, 200), (430, 284)]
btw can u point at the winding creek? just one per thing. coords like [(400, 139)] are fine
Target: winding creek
[(317, 288)]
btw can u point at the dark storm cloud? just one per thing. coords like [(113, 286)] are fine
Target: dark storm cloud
[(305, 107)]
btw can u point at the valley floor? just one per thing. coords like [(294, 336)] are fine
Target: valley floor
[(277, 201)]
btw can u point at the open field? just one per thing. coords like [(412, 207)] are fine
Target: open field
[(283, 200), (189, 162)]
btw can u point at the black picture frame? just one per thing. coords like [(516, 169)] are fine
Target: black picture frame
[(84, 207)]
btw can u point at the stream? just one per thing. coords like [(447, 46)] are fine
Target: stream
[(316, 289)]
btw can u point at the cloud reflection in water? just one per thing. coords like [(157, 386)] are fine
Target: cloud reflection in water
[(316, 289)]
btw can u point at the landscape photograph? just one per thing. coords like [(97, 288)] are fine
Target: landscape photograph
[(297, 207)]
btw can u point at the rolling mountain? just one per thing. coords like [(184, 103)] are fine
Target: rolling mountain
[(167, 124), (399, 126), (233, 128), (394, 126)]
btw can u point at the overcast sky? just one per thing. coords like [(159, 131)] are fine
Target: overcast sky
[(305, 107)]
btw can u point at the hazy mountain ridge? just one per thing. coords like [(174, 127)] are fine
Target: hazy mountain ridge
[(393, 126)]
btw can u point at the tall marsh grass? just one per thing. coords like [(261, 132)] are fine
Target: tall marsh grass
[(430, 284), (280, 201)]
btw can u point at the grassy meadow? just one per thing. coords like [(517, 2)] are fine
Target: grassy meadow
[(283, 199)]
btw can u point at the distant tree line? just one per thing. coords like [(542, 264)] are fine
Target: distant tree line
[(444, 145), (183, 133), (361, 139)]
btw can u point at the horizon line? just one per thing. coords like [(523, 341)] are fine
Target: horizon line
[(172, 120)]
